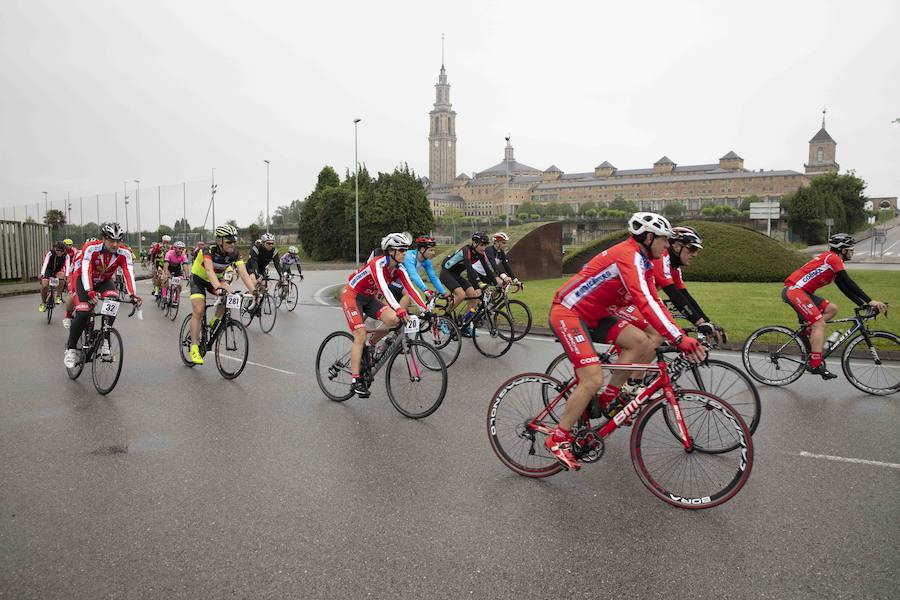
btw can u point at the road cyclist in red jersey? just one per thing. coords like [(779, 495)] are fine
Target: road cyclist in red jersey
[(814, 311), (358, 300), (94, 277), (71, 277), (613, 300)]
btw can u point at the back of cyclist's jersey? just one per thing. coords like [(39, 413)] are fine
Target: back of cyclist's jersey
[(817, 273)]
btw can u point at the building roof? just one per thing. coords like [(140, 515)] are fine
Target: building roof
[(822, 136), (664, 179), (552, 169), (508, 166), (605, 165), (463, 176), (665, 160), (453, 197), (731, 156)]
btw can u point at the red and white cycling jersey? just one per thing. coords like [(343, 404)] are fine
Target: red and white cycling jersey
[(664, 274), (817, 273), (375, 276), (618, 277), (98, 264)]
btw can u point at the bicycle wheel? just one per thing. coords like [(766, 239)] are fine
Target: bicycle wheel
[(416, 392), (292, 298), (232, 348), (774, 355), (174, 302), (518, 444), (279, 294), (878, 376), (727, 382), (268, 312), (333, 366), (443, 334), (493, 334), (248, 310), (691, 479), (184, 341), (106, 369), (51, 300), (75, 372), (520, 315)]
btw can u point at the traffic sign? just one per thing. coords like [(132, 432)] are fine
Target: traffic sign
[(829, 222)]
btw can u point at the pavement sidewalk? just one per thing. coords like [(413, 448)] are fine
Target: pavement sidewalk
[(33, 287)]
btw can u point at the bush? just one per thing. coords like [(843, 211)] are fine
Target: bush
[(730, 253)]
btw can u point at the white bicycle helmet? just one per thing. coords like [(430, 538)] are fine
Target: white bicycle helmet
[(648, 222), (501, 237), (292, 249), (267, 237), (226, 231), (167, 238), (112, 231), (395, 241), (179, 244)]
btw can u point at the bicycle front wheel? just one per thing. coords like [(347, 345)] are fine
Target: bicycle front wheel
[(493, 334), (268, 312), (686, 478), (416, 390), (279, 294), (725, 381), (174, 301), (333, 366), (873, 369), (443, 334), (107, 367), (184, 341), (232, 348), (774, 355), (514, 439), (520, 315), (292, 298)]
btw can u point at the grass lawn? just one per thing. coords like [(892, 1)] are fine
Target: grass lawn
[(741, 308)]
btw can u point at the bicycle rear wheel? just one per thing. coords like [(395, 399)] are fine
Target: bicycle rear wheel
[(292, 298), (493, 334), (232, 348), (106, 369), (416, 392), (774, 355), (688, 479), (333, 366), (443, 334), (279, 294), (881, 376), (729, 383), (511, 410), (520, 315), (268, 312), (75, 372)]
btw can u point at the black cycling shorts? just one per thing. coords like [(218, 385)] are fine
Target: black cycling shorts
[(452, 281), (200, 287)]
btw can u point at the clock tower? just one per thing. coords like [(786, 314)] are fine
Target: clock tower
[(442, 136)]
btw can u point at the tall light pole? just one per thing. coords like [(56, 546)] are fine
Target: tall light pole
[(81, 216), (137, 208), (68, 211), (356, 177), (267, 195), (125, 195), (212, 200), (506, 194), (46, 206)]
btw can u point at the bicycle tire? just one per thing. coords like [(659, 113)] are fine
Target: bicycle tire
[(649, 435), (184, 341), (448, 343), (99, 361), (75, 372), (247, 311), (51, 299), (739, 392), (414, 350), (337, 358), (231, 330), (293, 297), (278, 296), (763, 358), (512, 407), (266, 310), (493, 326), (893, 367), (521, 318)]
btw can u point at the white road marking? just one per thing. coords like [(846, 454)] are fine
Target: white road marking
[(858, 461), (318, 295), (250, 362)]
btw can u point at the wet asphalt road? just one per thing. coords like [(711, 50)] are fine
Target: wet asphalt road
[(181, 484)]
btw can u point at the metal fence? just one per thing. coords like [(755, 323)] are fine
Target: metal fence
[(22, 248)]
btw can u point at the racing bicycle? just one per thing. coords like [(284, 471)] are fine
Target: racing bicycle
[(286, 292), (227, 337), (492, 331), (54, 291), (439, 330)]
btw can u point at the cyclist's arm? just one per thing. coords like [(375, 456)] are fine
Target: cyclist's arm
[(851, 289), (410, 288), (504, 260), (682, 303), (253, 261), (488, 268), (647, 301), (248, 279), (432, 277), (410, 264), (46, 264), (695, 307), (276, 260), (128, 270)]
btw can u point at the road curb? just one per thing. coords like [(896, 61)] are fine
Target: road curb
[(10, 293)]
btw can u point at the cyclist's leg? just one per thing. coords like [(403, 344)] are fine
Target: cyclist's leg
[(82, 314), (456, 289), (355, 319), (807, 309), (383, 313), (199, 288), (45, 289)]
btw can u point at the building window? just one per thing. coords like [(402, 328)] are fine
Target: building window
[(820, 155)]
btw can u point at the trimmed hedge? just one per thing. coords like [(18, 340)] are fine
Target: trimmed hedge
[(730, 253)]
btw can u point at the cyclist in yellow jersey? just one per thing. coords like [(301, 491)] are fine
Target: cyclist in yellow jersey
[(208, 265)]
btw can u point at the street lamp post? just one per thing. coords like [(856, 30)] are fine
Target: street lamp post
[(46, 206), (137, 208), (267, 195), (356, 177), (125, 195)]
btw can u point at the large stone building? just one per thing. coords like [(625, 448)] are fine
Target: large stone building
[(499, 190)]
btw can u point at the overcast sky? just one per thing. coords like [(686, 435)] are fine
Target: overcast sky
[(97, 93)]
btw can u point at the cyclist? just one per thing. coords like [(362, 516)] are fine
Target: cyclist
[(812, 310), (261, 256), (211, 262), (70, 301), (56, 264), (683, 248), (611, 300), (175, 265), (496, 254), (420, 256), (358, 299), (291, 258), (159, 262), (99, 262), (197, 250), (464, 259)]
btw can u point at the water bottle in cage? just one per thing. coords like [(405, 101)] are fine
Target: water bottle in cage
[(832, 339)]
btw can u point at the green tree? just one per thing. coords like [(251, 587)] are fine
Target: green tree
[(253, 232), (620, 203), (164, 230), (55, 218), (182, 225), (838, 197), (745, 203), (586, 207), (673, 209), (232, 222)]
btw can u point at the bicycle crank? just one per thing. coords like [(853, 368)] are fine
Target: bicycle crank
[(588, 446)]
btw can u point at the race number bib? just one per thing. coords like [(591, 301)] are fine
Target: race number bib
[(176, 281), (54, 281), (233, 301), (412, 325), (110, 308)]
